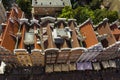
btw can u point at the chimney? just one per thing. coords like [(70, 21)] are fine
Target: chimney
[(115, 30), (104, 28), (87, 31)]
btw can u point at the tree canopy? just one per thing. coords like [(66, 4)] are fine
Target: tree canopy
[(26, 6), (95, 4), (83, 13), (101, 14), (67, 12), (7, 4), (80, 10)]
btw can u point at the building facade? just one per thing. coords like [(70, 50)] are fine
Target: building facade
[(51, 7)]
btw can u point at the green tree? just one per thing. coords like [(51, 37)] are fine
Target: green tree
[(112, 16), (101, 14), (67, 12), (83, 13), (75, 4), (26, 6), (6, 4), (95, 4)]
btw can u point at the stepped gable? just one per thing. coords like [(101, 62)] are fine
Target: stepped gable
[(104, 28), (37, 55), (63, 36), (9, 35), (90, 41), (115, 30), (86, 30), (76, 50), (23, 50), (111, 49), (62, 40), (11, 29), (51, 50)]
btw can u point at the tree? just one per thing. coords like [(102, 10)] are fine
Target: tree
[(7, 4), (95, 4), (101, 14), (25, 6), (112, 16), (67, 12), (83, 13), (89, 11)]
